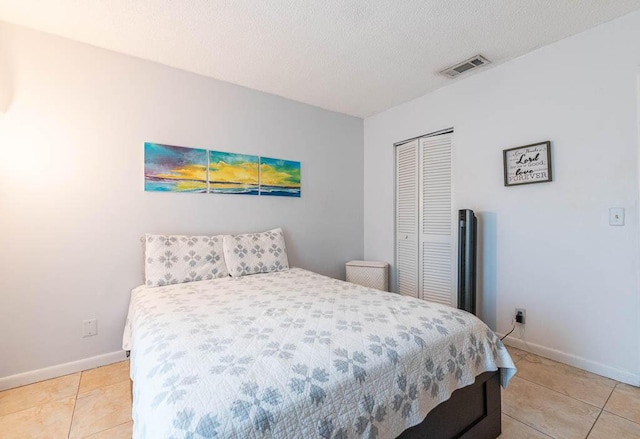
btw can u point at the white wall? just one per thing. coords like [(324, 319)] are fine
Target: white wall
[(545, 247), (72, 205)]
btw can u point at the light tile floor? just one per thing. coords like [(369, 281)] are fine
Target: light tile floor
[(549, 399), (545, 399), (92, 404)]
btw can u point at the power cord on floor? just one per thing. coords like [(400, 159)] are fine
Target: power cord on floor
[(507, 334)]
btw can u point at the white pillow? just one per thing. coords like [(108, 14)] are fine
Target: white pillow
[(255, 253), (172, 259)]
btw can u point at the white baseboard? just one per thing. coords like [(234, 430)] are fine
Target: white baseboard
[(59, 370), (621, 375)]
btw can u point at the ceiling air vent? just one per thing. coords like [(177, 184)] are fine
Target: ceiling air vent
[(465, 66)]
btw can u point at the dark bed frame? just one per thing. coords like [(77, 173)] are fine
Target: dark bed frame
[(473, 412)]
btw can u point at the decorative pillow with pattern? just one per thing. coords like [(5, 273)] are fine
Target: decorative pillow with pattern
[(255, 253), (173, 259)]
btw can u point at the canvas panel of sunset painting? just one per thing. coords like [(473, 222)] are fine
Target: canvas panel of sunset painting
[(279, 177), (174, 168), (233, 173)]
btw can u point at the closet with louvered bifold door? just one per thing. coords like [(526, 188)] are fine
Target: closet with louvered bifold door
[(424, 219)]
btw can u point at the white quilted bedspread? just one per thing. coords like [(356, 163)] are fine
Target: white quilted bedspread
[(295, 354)]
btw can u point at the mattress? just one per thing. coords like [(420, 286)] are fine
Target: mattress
[(296, 354)]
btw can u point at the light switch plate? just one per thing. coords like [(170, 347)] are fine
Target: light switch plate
[(89, 328), (616, 216)]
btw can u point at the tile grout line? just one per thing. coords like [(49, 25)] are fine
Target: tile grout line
[(601, 411), (610, 395), (527, 424), (621, 417), (53, 401), (569, 396), (75, 403), (32, 406), (594, 424), (530, 426), (108, 428), (555, 391), (113, 426), (36, 405), (613, 413)]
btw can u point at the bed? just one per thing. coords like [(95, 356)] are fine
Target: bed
[(296, 354)]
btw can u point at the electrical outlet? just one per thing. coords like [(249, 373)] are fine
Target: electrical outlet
[(520, 316), (90, 328)]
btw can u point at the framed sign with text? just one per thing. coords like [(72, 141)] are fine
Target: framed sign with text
[(527, 164)]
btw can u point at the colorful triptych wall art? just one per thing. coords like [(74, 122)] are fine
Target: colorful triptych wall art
[(279, 177), (174, 169), (233, 173), (178, 169)]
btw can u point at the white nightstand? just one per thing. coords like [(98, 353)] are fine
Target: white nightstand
[(372, 274)]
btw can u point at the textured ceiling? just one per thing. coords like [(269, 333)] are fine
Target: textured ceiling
[(357, 57)]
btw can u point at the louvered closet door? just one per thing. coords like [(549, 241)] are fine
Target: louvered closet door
[(435, 219), (407, 196)]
